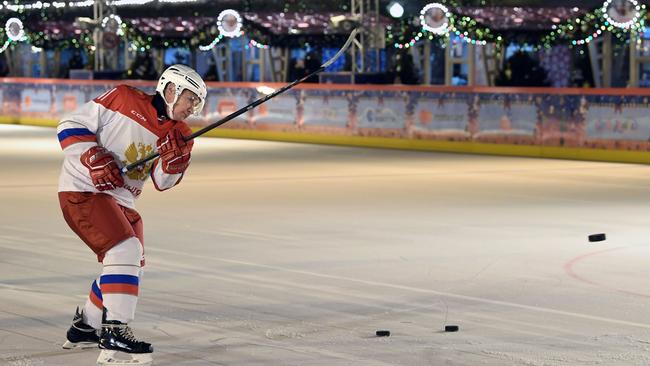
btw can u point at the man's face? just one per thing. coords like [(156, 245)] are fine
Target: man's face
[(185, 104)]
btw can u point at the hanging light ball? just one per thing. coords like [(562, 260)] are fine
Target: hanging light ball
[(435, 18), (229, 23), (14, 29)]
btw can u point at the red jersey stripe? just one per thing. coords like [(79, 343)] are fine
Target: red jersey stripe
[(74, 139)]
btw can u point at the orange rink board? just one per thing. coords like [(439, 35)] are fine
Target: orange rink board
[(568, 123)]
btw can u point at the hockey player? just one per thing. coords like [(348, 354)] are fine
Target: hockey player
[(117, 128)]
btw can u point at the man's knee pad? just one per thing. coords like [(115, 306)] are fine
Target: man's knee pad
[(127, 253)]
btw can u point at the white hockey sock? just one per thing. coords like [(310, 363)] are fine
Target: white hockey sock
[(120, 280)]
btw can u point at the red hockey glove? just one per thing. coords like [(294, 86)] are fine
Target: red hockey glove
[(102, 167), (174, 152)]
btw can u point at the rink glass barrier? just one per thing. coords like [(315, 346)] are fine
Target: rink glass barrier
[(586, 124)]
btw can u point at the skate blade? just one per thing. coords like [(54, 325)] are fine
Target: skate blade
[(79, 345), (109, 358)]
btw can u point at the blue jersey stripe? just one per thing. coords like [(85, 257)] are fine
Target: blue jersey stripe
[(126, 279), (74, 132)]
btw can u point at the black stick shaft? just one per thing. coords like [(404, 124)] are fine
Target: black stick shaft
[(250, 106)]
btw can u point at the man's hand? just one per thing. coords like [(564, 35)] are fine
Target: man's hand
[(102, 167), (174, 152)]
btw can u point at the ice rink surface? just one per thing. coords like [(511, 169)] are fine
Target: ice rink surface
[(290, 254)]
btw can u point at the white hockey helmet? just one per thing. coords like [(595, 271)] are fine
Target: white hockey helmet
[(184, 77)]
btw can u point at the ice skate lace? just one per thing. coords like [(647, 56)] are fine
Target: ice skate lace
[(127, 333)]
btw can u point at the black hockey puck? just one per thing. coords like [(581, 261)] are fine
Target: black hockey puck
[(596, 237), (383, 333), (451, 328)]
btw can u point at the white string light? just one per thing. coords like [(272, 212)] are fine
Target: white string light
[(3, 48), (441, 29), (464, 36), (632, 23), (212, 44), (410, 43), (84, 3), (262, 46), (14, 30), (444, 29), (116, 18), (81, 4), (129, 2), (221, 24), (591, 37), (223, 32), (625, 25)]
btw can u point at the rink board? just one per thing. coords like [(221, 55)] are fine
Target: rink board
[(584, 124)]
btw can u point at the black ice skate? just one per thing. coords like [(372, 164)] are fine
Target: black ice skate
[(80, 334), (117, 340)]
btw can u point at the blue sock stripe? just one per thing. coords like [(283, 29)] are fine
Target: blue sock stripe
[(96, 290), (118, 278)]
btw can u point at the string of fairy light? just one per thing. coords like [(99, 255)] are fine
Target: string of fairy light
[(595, 24), (139, 41), (577, 32), (19, 8), (463, 28), (451, 27)]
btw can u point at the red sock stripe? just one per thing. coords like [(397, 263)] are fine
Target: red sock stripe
[(96, 300), (119, 288)]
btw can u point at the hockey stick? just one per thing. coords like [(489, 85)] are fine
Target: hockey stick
[(254, 104)]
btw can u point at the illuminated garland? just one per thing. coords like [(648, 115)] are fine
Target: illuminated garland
[(254, 43), (81, 4), (14, 31), (408, 44), (4, 47), (223, 32), (625, 25), (39, 39), (143, 42), (581, 31), (117, 20), (465, 37), (465, 28), (210, 46), (575, 32)]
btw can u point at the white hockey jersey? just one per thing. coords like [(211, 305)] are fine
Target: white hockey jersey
[(125, 122)]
